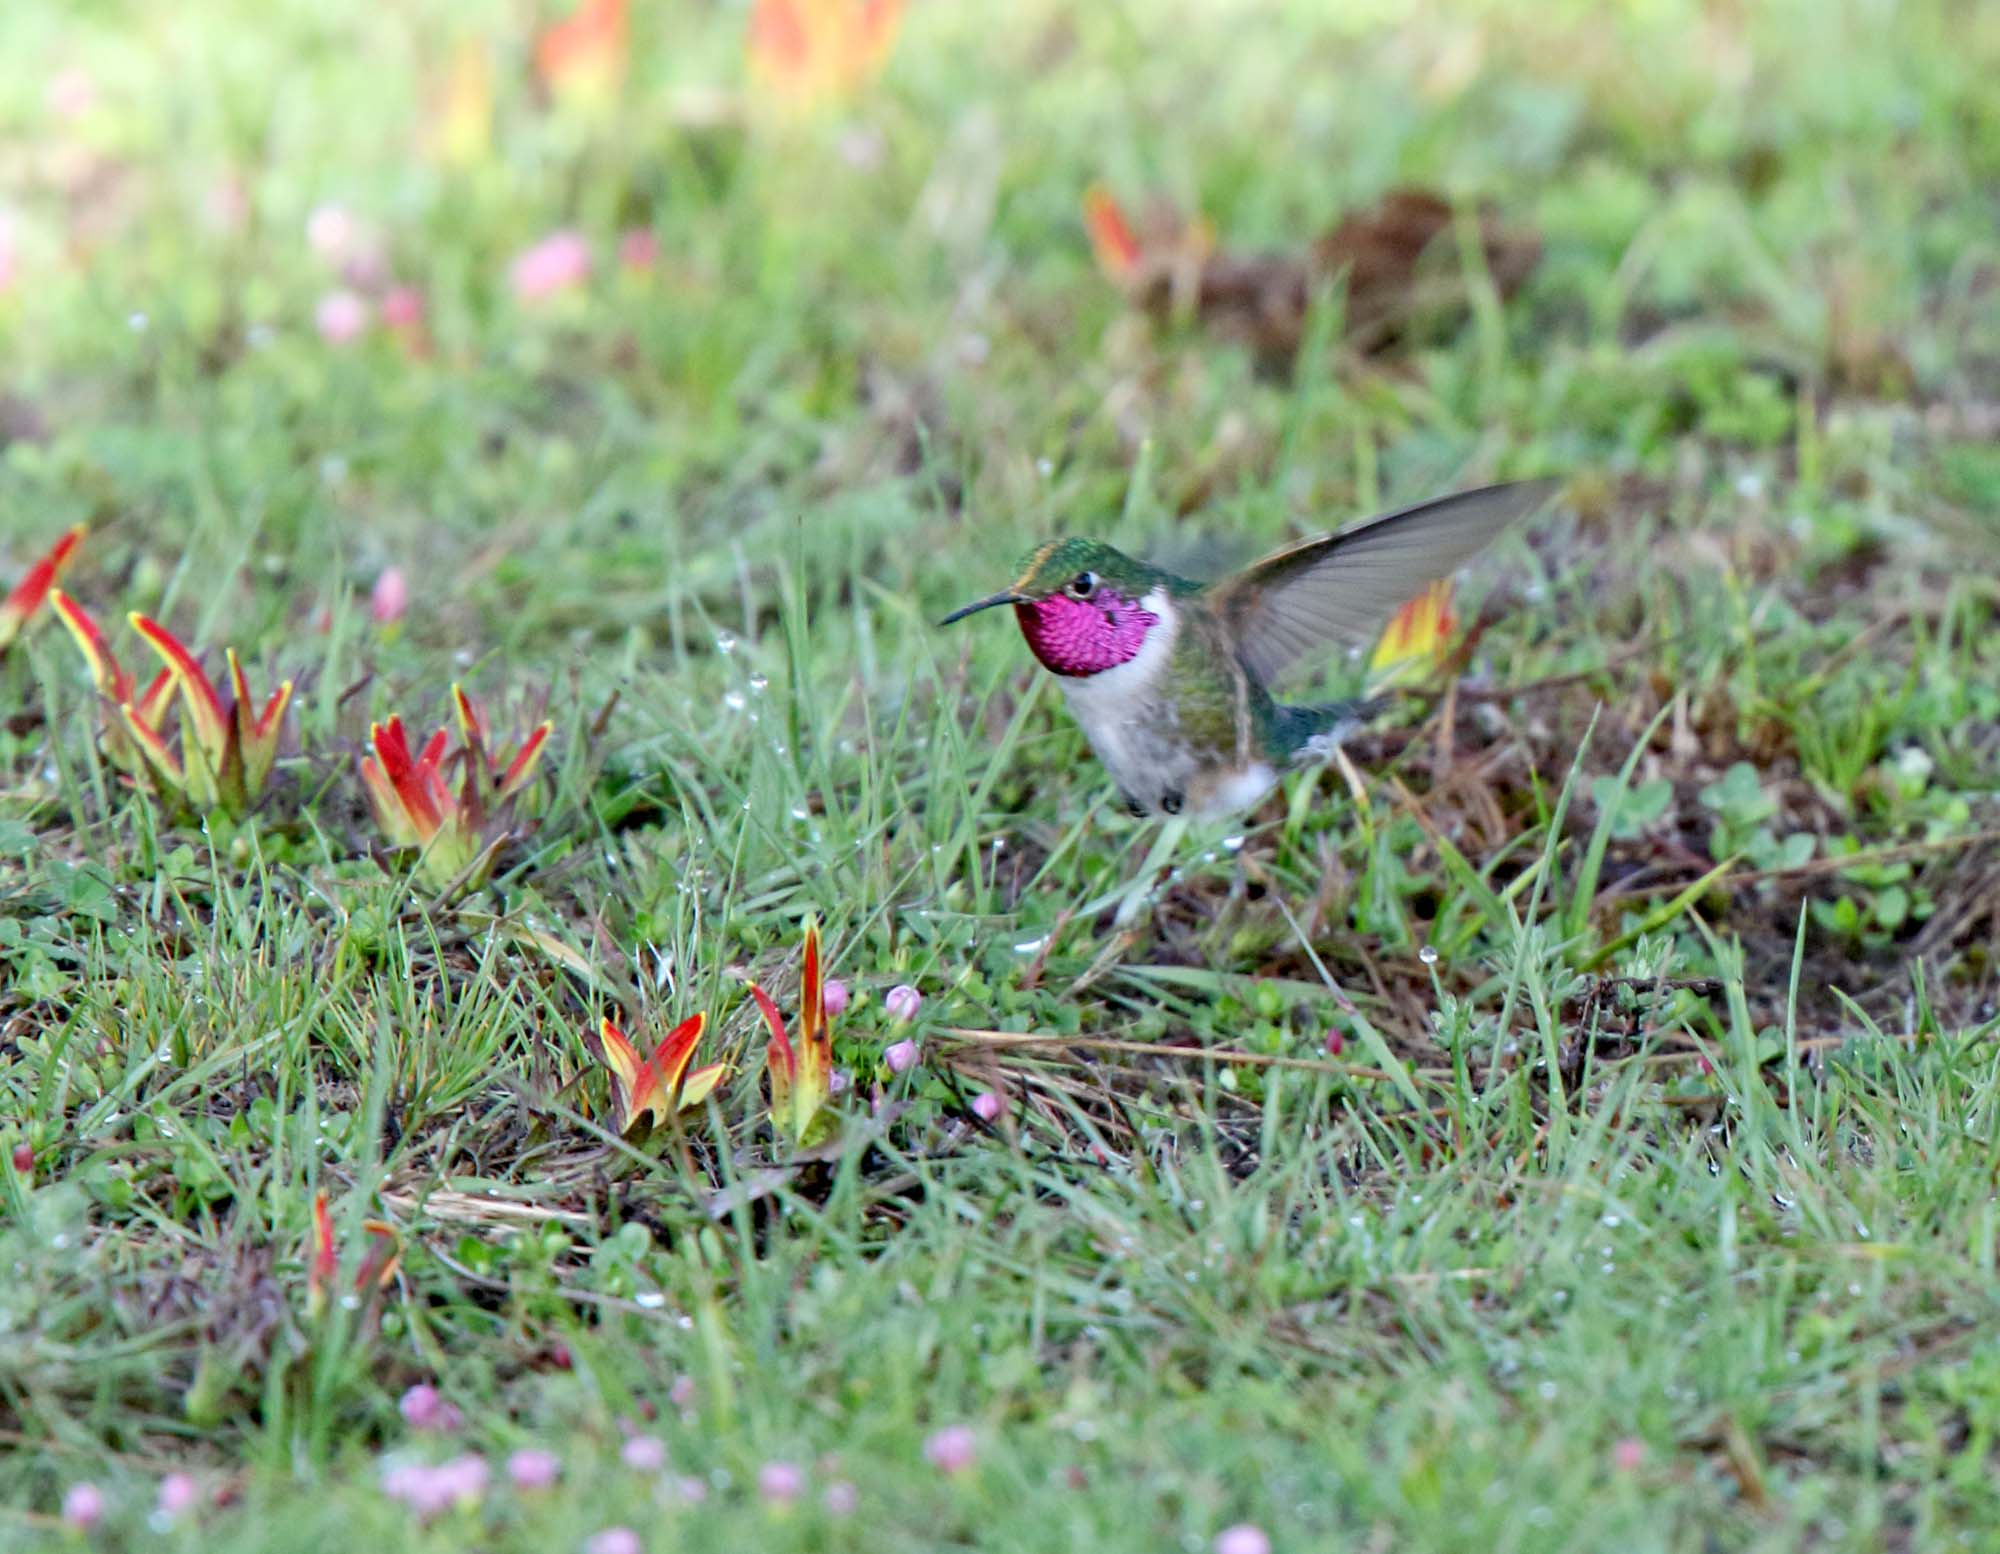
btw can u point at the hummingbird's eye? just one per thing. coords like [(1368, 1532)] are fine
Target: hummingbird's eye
[(1083, 585)]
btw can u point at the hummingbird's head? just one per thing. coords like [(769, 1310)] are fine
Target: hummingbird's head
[(1083, 606)]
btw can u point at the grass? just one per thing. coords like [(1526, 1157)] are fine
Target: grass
[(1647, 1200)]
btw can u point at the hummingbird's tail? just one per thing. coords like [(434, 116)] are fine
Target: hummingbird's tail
[(1309, 734)]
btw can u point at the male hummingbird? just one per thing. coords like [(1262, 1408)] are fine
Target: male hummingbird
[(1170, 678)]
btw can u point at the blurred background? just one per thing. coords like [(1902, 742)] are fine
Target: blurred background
[(366, 285)]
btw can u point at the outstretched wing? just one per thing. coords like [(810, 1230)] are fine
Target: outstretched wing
[(1341, 589)]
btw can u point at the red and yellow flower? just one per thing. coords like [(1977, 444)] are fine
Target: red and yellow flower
[(801, 1072), (26, 596), (661, 1086), (417, 807)]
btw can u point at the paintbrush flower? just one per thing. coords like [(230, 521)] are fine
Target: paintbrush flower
[(801, 1071), (804, 52), (582, 57), (227, 745), (379, 1261), (661, 1086), (25, 598), (457, 831), (1417, 636)]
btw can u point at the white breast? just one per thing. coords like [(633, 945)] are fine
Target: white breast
[(1121, 712)]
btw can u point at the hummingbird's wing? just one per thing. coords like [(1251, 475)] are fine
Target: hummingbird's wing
[(1341, 589)]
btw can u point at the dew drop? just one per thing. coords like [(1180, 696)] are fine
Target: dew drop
[(1045, 467), (760, 683), (137, 323), (734, 701), (1428, 956), (1232, 844), (651, 1300)]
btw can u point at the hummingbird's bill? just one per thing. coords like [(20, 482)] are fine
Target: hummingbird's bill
[(1005, 596)]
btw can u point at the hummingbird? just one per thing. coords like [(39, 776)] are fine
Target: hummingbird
[(1170, 679)]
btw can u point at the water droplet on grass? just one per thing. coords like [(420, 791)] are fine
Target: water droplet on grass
[(734, 701), (1428, 956), (651, 1300), (760, 683), (1232, 844), (725, 642)]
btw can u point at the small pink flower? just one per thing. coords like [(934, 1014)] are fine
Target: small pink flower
[(644, 1454), (833, 995), (952, 1449), (903, 1001), (691, 1489), (423, 1408), (681, 1393), (986, 1106), (840, 1499), (71, 94), (330, 231), (1335, 1044), (463, 1479), (24, 1158), (901, 1057), (402, 308), (418, 1486), (10, 257), (614, 1540), (389, 598), (639, 249), (780, 1483), (226, 205), (365, 265), (341, 317), (1627, 1454), (82, 1506), (1242, 1539), (531, 1469), (558, 262), (178, 1494)]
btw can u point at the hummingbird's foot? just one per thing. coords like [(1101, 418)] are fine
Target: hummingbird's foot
[(1132, 806), (1171, 801)]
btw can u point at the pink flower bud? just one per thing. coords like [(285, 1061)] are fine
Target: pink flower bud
[(82, 1506), (341, 318), (402, 308), (833, 996), (780, 1483), (70, 94), (1242, 1539), (178, 1494), (530, 1469), (330, 231), (225, 206), (1335, 1044), (639, 249), (986, 1106), (614, 1540), (952, 1449), (840, 1499), (1627, 1454), (681, 1393), (463, 1479), (903, 1001), (644, 1454), (423, 1408), (389, 598), (901, 1057), (558, 262), (24, 1158)]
